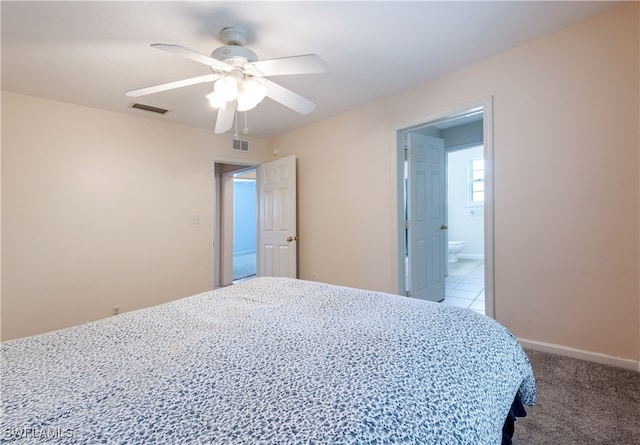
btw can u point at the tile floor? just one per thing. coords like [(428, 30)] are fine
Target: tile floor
[(464, 286)]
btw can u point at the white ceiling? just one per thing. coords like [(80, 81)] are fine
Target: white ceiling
[(91, 52)]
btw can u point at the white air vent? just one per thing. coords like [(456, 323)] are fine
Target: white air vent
[(240, 145)]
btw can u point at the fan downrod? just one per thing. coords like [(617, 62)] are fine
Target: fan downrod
[(234, 36), (234, 52)]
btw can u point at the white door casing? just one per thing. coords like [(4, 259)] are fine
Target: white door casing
[(277, 234), (226, 271), (426, 216)]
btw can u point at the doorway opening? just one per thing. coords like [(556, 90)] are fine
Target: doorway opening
[(275, 216), (447, 198), (464, 282), (234, 232), (244, 225)]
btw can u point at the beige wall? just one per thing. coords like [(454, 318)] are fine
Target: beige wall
[(96, 212), (566, 116)]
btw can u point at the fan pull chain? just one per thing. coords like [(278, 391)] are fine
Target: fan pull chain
[(245, 130), (236, 133)]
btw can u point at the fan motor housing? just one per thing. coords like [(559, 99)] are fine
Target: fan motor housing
[(225, 53)]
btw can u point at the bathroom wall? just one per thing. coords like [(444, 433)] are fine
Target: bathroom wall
[(462, 135), (244, 216), (465, 220)]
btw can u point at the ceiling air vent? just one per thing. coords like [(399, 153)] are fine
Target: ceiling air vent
[(149, 108), (240, 145)]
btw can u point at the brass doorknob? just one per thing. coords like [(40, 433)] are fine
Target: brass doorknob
[(444, 227), (292, 238)]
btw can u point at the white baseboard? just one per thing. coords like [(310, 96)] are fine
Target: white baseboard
[(243, 252), (471, 256), (580, 354)]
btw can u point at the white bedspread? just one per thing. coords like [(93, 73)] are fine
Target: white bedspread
[(271, 361)]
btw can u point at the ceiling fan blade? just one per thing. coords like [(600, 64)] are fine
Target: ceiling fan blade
[(224, 121), (288, 98), (305, 64), (193, 55), (171, 85)]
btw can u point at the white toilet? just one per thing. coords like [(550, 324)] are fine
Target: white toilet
[(455, 247)]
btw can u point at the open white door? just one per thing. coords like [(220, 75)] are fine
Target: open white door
[(426, 217), (277, 239)]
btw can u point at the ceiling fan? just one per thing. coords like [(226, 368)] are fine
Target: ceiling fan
[(240, 78)]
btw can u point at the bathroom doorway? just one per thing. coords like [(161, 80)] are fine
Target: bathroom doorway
[(466, 139), (464, 282)]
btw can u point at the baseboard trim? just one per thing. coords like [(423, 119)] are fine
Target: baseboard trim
[(471, 256), (580, 354), (244, 252)]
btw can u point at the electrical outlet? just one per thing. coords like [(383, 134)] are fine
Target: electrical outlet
[(115, 310), (314, 276), (195, 219)]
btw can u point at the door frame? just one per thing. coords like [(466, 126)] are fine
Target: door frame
[(220, 208), (398, 224)]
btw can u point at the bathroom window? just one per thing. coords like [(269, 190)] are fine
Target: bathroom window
[(476, 180)]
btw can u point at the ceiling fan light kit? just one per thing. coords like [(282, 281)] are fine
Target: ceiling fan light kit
[(239, 77), (226, 88), (251, 92), (216, 101)]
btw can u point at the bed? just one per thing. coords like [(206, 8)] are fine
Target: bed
[(269, 361)]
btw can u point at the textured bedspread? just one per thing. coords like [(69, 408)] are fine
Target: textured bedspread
[(271, 361)]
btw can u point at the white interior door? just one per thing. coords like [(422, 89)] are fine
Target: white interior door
[(426, 216), (277, 239)]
